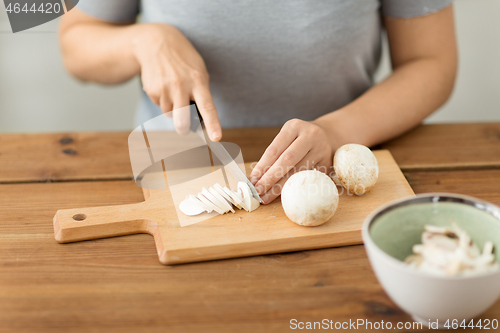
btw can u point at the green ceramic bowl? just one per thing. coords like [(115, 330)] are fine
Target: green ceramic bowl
[(389, 234), (399, 228)]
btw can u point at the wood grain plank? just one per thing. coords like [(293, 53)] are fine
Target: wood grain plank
[(24, 207), (53, 293), (92, 156), (230, 293), (448, 146), (483, 184), (118, 285), (97, 156), (64, 156)]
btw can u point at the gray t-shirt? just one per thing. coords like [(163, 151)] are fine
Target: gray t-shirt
[(273, 60)]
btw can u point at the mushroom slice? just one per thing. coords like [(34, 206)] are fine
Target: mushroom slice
[(235, 197), (227, 205), (488, 248), (439, 230), (414, 259), (418, 248), (209, 204), (243, 192), (451, 252), (246, 193), (254, 204), (484, 259), (190, 207), (226, 196), (208, 207), (441, 241), (198, 202), (220, 206)]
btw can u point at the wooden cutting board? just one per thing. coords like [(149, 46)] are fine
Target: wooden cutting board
[(266, 230)]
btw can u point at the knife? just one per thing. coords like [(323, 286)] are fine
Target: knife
[(223, 155)]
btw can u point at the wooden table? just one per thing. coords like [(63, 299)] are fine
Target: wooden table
[(118, 285)]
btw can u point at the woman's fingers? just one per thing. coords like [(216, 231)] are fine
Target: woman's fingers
[(325, 165), (286, 161), (173, 73), (275, 191), (300, 145), (182, 120), (205, 103), (178, 100), (280, 143), (165, 103), (182, 112)]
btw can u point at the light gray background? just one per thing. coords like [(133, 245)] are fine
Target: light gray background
[(37, 95)]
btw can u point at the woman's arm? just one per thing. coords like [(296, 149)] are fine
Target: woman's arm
[(96, 50), (424, 60), (172, 71)]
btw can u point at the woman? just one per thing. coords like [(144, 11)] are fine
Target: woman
[(306, 65)]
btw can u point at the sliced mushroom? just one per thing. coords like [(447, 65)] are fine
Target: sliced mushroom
[(439, 230), (246, 194), (488, 248), (451, 252), (254, 204), (236, 199), (214, 200), (220, 199), (227, 205), (191, 207), (208, 201), (222, 193), (198, 202)]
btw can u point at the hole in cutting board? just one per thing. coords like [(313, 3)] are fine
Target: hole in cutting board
[(79, 217)]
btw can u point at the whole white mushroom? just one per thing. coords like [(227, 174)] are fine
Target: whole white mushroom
[(309, 198), (356, 168)]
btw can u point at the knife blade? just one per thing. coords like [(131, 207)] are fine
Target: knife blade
[(225, 158)]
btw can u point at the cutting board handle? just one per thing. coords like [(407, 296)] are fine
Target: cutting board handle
[(71, 225)]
